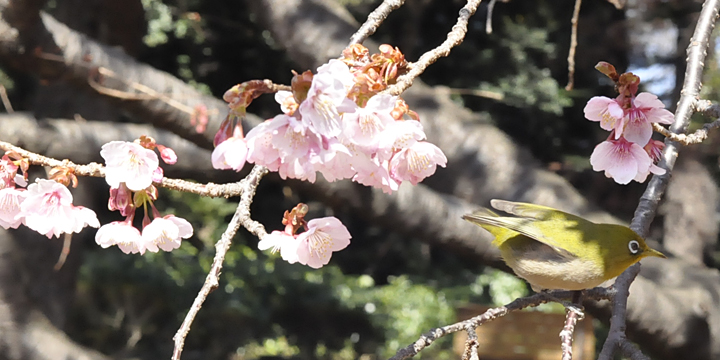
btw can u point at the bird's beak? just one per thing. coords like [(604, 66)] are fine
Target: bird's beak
[(653, 252)]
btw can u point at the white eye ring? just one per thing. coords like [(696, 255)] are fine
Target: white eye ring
[(634, 246)]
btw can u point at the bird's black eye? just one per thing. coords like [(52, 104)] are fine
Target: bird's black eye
[(634, 246)]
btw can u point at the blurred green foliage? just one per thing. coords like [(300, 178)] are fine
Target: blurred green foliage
[(131, 305)]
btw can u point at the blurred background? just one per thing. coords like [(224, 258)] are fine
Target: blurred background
[(393, 283)]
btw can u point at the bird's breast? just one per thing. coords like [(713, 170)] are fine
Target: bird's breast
[(545, 268)]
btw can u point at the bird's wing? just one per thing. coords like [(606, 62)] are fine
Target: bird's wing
[(506, 227), (533, 211)]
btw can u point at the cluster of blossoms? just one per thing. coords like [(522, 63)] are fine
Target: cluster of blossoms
[(335, 122), (314, 246), (44, 206), (629, 153), (131, 168)]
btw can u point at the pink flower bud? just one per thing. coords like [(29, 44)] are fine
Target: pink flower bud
[(167, 154), (157, 175), (121, 200)]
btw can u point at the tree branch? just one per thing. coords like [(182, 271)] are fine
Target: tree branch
[(374, 20), (241, 218), (454, 38), (647, 208), (62, 52)]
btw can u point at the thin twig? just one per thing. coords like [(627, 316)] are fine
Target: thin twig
[(480, 93), (374, 20), (619, 4), (454, 38), (695, 138), (98, 170), (598, 293), (573, 46), (707, 108), (566, 335), (146, 93), (67, 240), (241, 217), (6, 100), (471, 344), (488, 20)]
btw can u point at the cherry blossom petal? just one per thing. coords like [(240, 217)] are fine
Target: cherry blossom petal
[(84, 217), (230, 154), (259, 142), (281, 241), (287, 102), (661, 116), (638, 129), (605, 110), (10, 200), (129, 163), (326, 100), (401, 134), (372, 172), (647, 100)]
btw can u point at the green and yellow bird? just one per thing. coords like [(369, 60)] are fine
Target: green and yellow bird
[(552, 249)]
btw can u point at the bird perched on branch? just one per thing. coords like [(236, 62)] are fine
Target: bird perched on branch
[(552, 249)]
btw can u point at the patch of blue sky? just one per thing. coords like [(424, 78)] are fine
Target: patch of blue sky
[(658, 79)]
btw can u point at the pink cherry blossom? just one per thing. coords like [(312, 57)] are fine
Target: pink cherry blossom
[(339, 71), (129, 163), (401, 134), (607, 111), (646, 109), (416, 162), (643, 174), (166, 233), (48, 209), (622, 160), (20, 180), (294, 139), (364, 125), (230, 154), (8, 173), (122, 234), (157, 175), (323, 237), (373, 172), (84, 217), (334, 161), (654, 148), (259, 142), (297, 168), (281, 241), (10, 200), (326, 100)]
